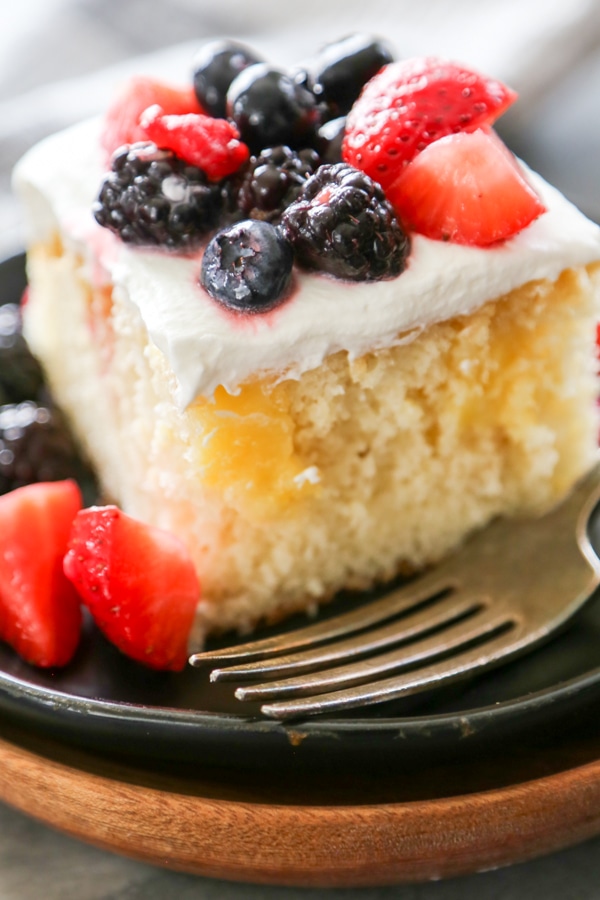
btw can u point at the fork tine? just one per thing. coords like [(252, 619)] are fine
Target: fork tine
[(396, 602), (451, 639), (437, 674), (443, 612)]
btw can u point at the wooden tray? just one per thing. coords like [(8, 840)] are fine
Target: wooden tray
[(314, 833)]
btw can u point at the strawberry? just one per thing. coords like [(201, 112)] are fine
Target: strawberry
[(212, 145), (137, 581), (121, 122), (411, 103), (467, 188), (40, 615)]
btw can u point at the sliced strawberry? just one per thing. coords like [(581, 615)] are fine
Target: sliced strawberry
[(212, 145), (121, 122), (137, 581), (466, 188), (411, 103), (40, 615)]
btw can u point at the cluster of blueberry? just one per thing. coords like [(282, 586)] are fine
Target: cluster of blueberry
[(292, 201), (299, 108)]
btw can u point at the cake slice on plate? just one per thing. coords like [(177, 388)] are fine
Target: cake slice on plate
[(317, 374)]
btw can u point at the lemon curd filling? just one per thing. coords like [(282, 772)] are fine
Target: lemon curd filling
[(246, 449)]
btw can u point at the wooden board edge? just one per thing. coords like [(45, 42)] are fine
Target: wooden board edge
[(292, 845)]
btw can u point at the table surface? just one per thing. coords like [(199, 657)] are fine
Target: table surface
[(44, 44)]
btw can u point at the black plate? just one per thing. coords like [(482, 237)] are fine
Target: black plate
[(105, 702)]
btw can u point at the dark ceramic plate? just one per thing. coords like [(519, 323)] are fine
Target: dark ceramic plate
[(104, 702)]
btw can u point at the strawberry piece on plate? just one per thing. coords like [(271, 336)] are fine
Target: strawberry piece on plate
[(138, 583), (122, 119), (212, 145), (411, 103), (40, 615), (466, 188)]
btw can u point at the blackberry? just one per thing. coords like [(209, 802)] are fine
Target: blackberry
[(269, 109), (230, 188), (152, 197), (342, 224), (341, 69), (21, 376), (274, 180), (35, 445), (247, 267), (215, 66)]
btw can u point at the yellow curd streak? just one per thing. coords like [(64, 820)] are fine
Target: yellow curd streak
[(246, 451)]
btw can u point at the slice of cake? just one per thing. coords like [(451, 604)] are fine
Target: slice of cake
[(315, 377)]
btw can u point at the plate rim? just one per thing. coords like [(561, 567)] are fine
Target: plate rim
[(20, 688)]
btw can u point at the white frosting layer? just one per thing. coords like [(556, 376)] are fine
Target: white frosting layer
[(207, 346)]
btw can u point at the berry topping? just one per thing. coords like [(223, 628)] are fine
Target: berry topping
[(138, 583), (269, 108), (467, 188), (152, 197), (21, 376), (40, 615), (342, 224), (412, 103), (274, 180), (350, 109), (247, 266), (122, 121), (215, 67), (341, 70), (35, 445), (212, 145)]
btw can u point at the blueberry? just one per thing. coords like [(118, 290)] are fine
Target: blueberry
[(270, 108), (215, 66), (329, 140), (247, 266), (341, 70)]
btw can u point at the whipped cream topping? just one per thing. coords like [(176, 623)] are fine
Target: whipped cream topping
[(206, 346)]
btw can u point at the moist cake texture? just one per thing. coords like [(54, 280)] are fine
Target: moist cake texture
[(355, 432)]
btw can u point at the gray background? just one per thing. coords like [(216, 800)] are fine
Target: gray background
[(61, 59)]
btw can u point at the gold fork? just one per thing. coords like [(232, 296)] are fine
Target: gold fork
[(510, 587)]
